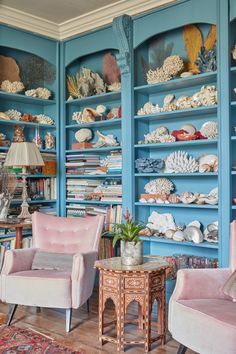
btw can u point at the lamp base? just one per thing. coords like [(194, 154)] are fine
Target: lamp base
[(25, 214)]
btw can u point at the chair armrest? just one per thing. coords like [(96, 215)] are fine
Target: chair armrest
[(82, 277), (18, 260), (200, 284)]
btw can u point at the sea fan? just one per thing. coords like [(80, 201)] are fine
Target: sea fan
[(111, 71)]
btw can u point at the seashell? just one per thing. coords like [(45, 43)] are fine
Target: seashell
[(185, 137), (114, 113), (211, 232), (195, 223), (151, 200), (159, 186), (159, 201), (187, 198), (173, 65), (83, 135), (180, 162), (174, 198), (209, 130), (214, 192), (186, 74), (105, 140), (169, 233), (211, 160), (44, 93), (168, 99), (190, 128), (145, 232), (178, 236), (100, 109), (208, 200), (4, 116), (143, 200), (13, 114), (167, 138), (115, 87), (234, 53), (204, 168), (193, 233), (183, 102), (160, 223), (13, 87)]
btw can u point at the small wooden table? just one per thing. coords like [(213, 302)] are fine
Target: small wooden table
[(143, 284), (18, 227)]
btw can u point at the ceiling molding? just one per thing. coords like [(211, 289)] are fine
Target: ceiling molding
[(28, 22), (105, 15), (77, 25)]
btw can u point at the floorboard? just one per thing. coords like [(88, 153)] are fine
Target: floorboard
[(84, 334)]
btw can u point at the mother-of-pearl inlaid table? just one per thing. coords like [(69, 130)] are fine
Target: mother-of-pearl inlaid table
[(123, 284)]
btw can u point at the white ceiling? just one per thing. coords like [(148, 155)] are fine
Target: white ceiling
[(61, 19), (57, 11)]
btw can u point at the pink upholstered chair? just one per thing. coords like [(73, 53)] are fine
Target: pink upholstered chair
[(53, 288), (201, 317)]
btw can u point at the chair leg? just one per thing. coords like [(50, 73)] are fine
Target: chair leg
[(38, 309), (11, 313), (87, 305), (182, 349), (68, 319)]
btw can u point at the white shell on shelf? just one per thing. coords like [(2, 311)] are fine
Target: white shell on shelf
[(195, 223), (83, 135), (159, 186), (178, 236), (194, 234), (190, 128)]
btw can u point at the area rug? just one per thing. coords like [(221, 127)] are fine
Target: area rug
[(14, 340)]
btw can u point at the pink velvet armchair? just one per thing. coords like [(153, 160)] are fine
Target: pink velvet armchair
[(22, 285), (201, 317)]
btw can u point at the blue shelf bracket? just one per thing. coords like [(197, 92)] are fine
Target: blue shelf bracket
[(123, 29)]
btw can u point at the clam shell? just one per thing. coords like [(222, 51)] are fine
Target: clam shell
[(169, 234), (190, 128), (208, 159), (193, 233), (168, 99), (195, 223), (178, 236)]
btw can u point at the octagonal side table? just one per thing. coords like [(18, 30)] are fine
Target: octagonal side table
[(122, 284)]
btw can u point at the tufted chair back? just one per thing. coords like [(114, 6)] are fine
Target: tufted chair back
[(233, 245), (66, 235)]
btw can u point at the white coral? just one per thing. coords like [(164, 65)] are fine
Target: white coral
[(13, 87), (154, 136), (31, 93), (158, 75), (159, 186), (180, 162), (43, 93), (43, 119), (167, 138), (173, 65)]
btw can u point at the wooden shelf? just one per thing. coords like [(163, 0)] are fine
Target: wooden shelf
[(195, 174), (204, 244), (96, 150), (113, 175), (18, 97), (193, 112), (92, 202), (195, 80), (180, 205), (102, 123), (27, 124), (103, 97), (176, 144)]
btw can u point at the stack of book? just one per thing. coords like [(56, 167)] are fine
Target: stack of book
[(109, 191), (113, 162), (46, 209), (2, 158), (80, 164), (112, 214), (42, 188), (80, 189)]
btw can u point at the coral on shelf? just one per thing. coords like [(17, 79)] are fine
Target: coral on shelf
[(12, 87), (171, 67), (40, 92), (180, 162), (149, 165)]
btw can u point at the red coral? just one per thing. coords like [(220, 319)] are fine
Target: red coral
[(177, 132), (200, 136)]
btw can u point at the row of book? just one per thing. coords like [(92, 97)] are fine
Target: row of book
[(109, 190), (107, 250), (42, 188), (79, 164), (112, 214)]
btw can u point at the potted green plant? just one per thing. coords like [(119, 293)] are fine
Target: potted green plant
[(131, 244)]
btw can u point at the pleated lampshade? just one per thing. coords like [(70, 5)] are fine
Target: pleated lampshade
[(23, 154)]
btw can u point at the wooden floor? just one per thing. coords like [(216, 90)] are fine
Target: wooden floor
[(84, 334)]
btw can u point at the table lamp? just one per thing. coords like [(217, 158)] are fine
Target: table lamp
[(23, 154)]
